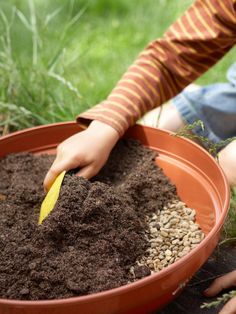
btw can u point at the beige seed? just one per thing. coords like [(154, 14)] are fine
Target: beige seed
[(168, 253), (164, 233), (153, 230), (174, 221), (185, 224), (161, 257), (171, 260), (186, 249), (159, 240), (186, 243), (175, 241), (167, 226), (153, 244), (195, 241), (181, 254)]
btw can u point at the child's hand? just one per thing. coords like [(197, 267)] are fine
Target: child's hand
[(88, 150), (219, 284)]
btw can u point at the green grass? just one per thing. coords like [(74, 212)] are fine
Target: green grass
[(230, 224), (58, 58)]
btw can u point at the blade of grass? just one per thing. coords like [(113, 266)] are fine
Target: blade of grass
[(66, 83), (7, 38), (33, 21), (51, 16), (54, 61), (24, 20)]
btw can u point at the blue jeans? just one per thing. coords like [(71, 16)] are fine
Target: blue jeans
[(214, 105)]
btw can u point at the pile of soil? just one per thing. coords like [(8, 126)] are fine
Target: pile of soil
[(93, 236)]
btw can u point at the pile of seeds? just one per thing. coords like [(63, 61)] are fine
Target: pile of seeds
[(172, 233)]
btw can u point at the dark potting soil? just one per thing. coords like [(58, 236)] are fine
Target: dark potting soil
[(93, 236)]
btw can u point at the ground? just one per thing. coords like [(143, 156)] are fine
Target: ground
[(191, 299)]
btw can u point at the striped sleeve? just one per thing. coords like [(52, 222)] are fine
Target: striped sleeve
[(194, 43)]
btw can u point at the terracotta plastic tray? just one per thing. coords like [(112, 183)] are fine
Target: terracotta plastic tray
[(200, 183)]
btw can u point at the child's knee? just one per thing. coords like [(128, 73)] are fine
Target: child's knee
[(227, 161)]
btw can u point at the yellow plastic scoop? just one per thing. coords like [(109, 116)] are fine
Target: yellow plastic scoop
[(51, 198)]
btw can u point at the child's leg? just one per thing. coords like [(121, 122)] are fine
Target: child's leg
[(166, 117), (171, 120), (227, 161), (215, 105)]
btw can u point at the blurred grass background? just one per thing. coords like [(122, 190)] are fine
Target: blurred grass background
[(58, 58)]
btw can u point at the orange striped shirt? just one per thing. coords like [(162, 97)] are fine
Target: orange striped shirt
[(193, 44)]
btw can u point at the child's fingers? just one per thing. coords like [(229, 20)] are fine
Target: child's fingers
[(230, 307), (87, 172), (56, 168), (221, 283)]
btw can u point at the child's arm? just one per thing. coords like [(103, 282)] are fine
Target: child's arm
[(190, 47)]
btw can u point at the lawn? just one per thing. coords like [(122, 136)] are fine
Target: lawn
[(58, 58)]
